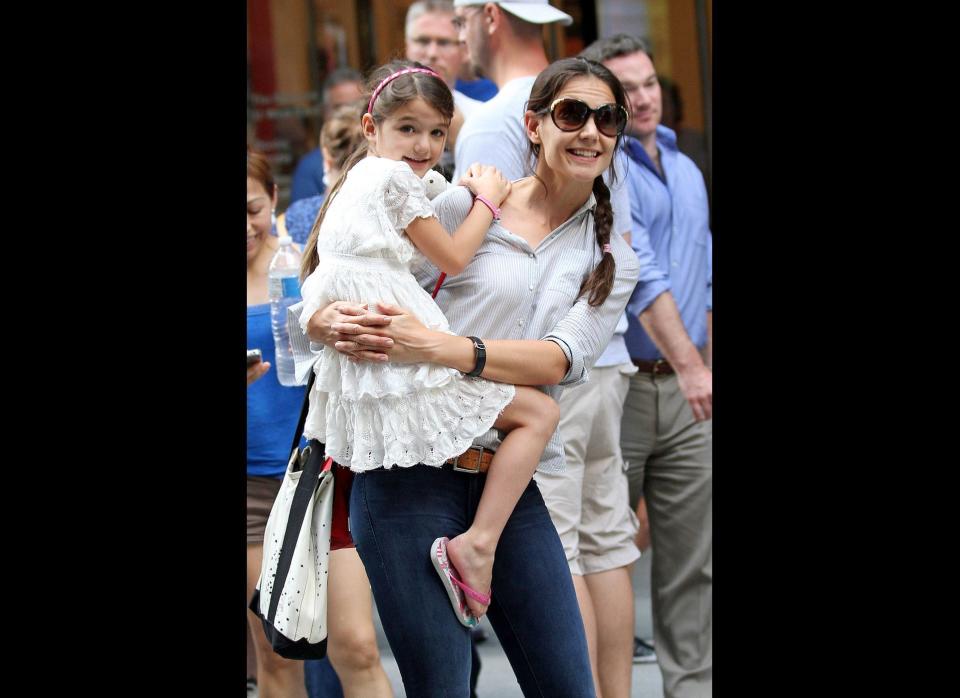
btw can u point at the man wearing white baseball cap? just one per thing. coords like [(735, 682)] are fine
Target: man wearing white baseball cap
[(535, 11), (505, 42)]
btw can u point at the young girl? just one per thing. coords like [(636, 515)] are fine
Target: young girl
[(375, 222)]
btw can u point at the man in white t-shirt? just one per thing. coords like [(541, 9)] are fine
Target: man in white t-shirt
[(505, 43)]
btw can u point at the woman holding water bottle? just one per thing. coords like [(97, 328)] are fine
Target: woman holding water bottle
[(272, 413)]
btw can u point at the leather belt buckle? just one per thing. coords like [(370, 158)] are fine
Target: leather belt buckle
[(457, 468)]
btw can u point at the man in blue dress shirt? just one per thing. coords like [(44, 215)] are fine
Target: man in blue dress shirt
[(667, 432)]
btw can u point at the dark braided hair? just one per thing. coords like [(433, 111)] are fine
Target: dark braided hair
[(545, 88), (600, 281)]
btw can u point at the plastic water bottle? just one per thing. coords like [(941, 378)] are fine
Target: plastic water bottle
[(284, 288)]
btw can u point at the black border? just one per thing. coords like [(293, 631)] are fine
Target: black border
[(174, 586), (171, 333)]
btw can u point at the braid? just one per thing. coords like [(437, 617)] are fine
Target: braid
[(600, 281)]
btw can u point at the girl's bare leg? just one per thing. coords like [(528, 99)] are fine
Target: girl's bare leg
[(530, 420)]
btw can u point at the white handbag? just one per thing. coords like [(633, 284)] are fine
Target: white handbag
[(291, 595)]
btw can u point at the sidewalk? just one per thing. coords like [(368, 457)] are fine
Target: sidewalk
[(496, 678)]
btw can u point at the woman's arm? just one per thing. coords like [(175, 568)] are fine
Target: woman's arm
[(521, 361), (404, 339), (565, 356)]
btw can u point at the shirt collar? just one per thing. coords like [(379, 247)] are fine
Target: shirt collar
[(666, 137), (666, 142), (634, 149)]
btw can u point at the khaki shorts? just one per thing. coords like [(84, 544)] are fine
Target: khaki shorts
[(588, 501), (261, 491)]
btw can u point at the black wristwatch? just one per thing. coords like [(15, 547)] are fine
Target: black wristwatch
[(479, 355)]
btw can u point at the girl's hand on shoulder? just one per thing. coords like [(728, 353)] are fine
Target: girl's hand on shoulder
[(469, 178), (486, 181)]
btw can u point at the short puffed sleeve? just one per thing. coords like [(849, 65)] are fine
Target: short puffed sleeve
[(405, 197)]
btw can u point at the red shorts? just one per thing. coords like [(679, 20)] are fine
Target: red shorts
[(340, 532)]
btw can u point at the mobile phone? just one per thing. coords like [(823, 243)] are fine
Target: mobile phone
[(253, 357)]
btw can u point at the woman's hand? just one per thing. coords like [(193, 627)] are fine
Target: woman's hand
[(353, 322), (255, 372), (402, 338), (486, 181)]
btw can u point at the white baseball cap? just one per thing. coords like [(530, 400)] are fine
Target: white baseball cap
[(533, 11)]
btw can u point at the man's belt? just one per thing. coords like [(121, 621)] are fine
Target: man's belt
[(660, 366)]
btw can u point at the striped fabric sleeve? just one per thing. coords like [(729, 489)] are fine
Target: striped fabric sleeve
[(584, 332), (305, 352)]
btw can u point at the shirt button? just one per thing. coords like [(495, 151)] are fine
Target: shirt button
[(530, 255), (530, 287), (676, 263)]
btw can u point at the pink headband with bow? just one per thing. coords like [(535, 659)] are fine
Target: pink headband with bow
[(394, 76)]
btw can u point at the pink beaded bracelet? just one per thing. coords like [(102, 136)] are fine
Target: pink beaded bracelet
[(486, 202)]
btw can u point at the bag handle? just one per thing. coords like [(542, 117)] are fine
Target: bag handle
[(303, 413)]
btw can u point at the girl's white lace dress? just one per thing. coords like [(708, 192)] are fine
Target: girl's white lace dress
[(373, 415)]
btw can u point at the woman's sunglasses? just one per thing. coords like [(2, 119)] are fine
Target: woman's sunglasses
[(571, 114)]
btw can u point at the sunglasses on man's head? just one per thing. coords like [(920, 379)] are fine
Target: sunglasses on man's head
[(571, 114)]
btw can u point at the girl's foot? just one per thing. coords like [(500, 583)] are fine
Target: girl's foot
[(474, 565)]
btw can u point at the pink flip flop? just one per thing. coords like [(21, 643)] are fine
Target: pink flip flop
[(451, 582)]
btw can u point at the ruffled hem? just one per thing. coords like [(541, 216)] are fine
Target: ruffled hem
[(428, 427)]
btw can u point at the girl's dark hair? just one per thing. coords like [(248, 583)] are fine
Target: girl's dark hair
[(545, 88), (395, 94)]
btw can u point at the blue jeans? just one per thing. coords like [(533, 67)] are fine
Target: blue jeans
[(321, 680), (396, 514)]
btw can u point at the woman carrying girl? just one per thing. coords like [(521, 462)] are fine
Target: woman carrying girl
[(550, 282), (376, 221)]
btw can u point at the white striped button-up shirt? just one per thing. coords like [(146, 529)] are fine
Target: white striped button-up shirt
[(514, 291), (511, 290)]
